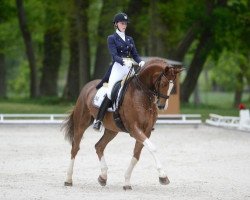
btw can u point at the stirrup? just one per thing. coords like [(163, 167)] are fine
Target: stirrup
[(97, 125)]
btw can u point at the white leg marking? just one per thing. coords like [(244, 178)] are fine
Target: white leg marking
[(70, 171), (150, 146), (104, 167), (171, 85), (129, 171)]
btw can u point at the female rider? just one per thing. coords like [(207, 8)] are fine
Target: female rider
[(122, 49)]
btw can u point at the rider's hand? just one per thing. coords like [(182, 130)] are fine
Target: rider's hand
[(127, 63), (142, 63)]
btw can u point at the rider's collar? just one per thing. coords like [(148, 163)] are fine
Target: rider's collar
[(121, 34)]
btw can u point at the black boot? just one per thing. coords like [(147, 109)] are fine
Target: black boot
[(102, 110)]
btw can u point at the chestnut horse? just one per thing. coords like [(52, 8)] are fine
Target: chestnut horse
[(146, 91)]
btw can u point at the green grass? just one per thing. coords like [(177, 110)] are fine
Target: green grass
[(205, 110), (212, 102), (215, 102), (50, 106)]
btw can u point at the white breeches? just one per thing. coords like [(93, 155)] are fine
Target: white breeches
[(117, 73)]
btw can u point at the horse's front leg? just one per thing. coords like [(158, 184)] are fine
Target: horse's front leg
[(141, 137), (100, 146), (137, 152), (163, 179)]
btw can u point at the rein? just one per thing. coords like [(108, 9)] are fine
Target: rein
[(143, 87)]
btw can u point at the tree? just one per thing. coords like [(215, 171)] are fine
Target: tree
[(185, 43), (231, 49), (29, 48), (2, 75), (83, 41), (242, 20), (71, 89), (204, 47), (78, 72), (195, 68), (52, 48), (3, 18), (157, 44)]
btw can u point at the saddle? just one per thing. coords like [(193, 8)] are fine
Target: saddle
[(97, 101), (117, 96)]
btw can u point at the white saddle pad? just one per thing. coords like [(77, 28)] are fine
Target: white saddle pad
[(97, 101)]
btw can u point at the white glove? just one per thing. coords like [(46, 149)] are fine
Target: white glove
[(142, 63), (127, 63)]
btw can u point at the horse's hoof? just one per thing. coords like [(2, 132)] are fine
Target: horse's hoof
[(164, 180), (102, 181), (127, 187), (68, 184)]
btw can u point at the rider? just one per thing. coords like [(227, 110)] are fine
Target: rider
[(122, 49)]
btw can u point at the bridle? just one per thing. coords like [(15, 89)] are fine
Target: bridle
[(156, 90)]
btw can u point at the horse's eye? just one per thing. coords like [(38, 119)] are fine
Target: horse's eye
[(163, 84)]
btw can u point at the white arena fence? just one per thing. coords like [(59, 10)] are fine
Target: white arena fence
[(241, 123), (32, 118), (179, 119), (59, 118)]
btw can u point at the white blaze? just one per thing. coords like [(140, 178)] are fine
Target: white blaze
[(170, 87)]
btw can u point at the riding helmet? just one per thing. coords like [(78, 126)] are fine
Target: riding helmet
[(120, 17)]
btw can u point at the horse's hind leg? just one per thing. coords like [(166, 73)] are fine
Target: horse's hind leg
[(100, 146), (137, 152), (81, 123)]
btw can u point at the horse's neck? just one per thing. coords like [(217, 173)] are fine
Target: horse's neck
[(146, 76), (144, 82), (144, 96)]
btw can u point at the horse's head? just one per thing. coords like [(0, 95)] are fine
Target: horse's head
[(164, 83)]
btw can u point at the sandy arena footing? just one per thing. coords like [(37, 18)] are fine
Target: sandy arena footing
[(201, 162)]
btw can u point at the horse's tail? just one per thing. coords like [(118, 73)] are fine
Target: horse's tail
[(68, 127)]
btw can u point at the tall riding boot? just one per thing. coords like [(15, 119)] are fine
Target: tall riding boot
[(102, 110)]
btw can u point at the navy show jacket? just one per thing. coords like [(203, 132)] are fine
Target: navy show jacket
[(119, 49)]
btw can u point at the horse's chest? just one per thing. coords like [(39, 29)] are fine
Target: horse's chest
[(148, 113)]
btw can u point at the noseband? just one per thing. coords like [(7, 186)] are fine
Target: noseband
[(157, 85), (156, 89)]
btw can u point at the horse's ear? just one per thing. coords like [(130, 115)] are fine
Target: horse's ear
[(167, 68), (178, 70)]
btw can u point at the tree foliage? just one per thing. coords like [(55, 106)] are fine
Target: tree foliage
[(69, 38)]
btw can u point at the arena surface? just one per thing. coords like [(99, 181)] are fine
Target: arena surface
[(202, 162)]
